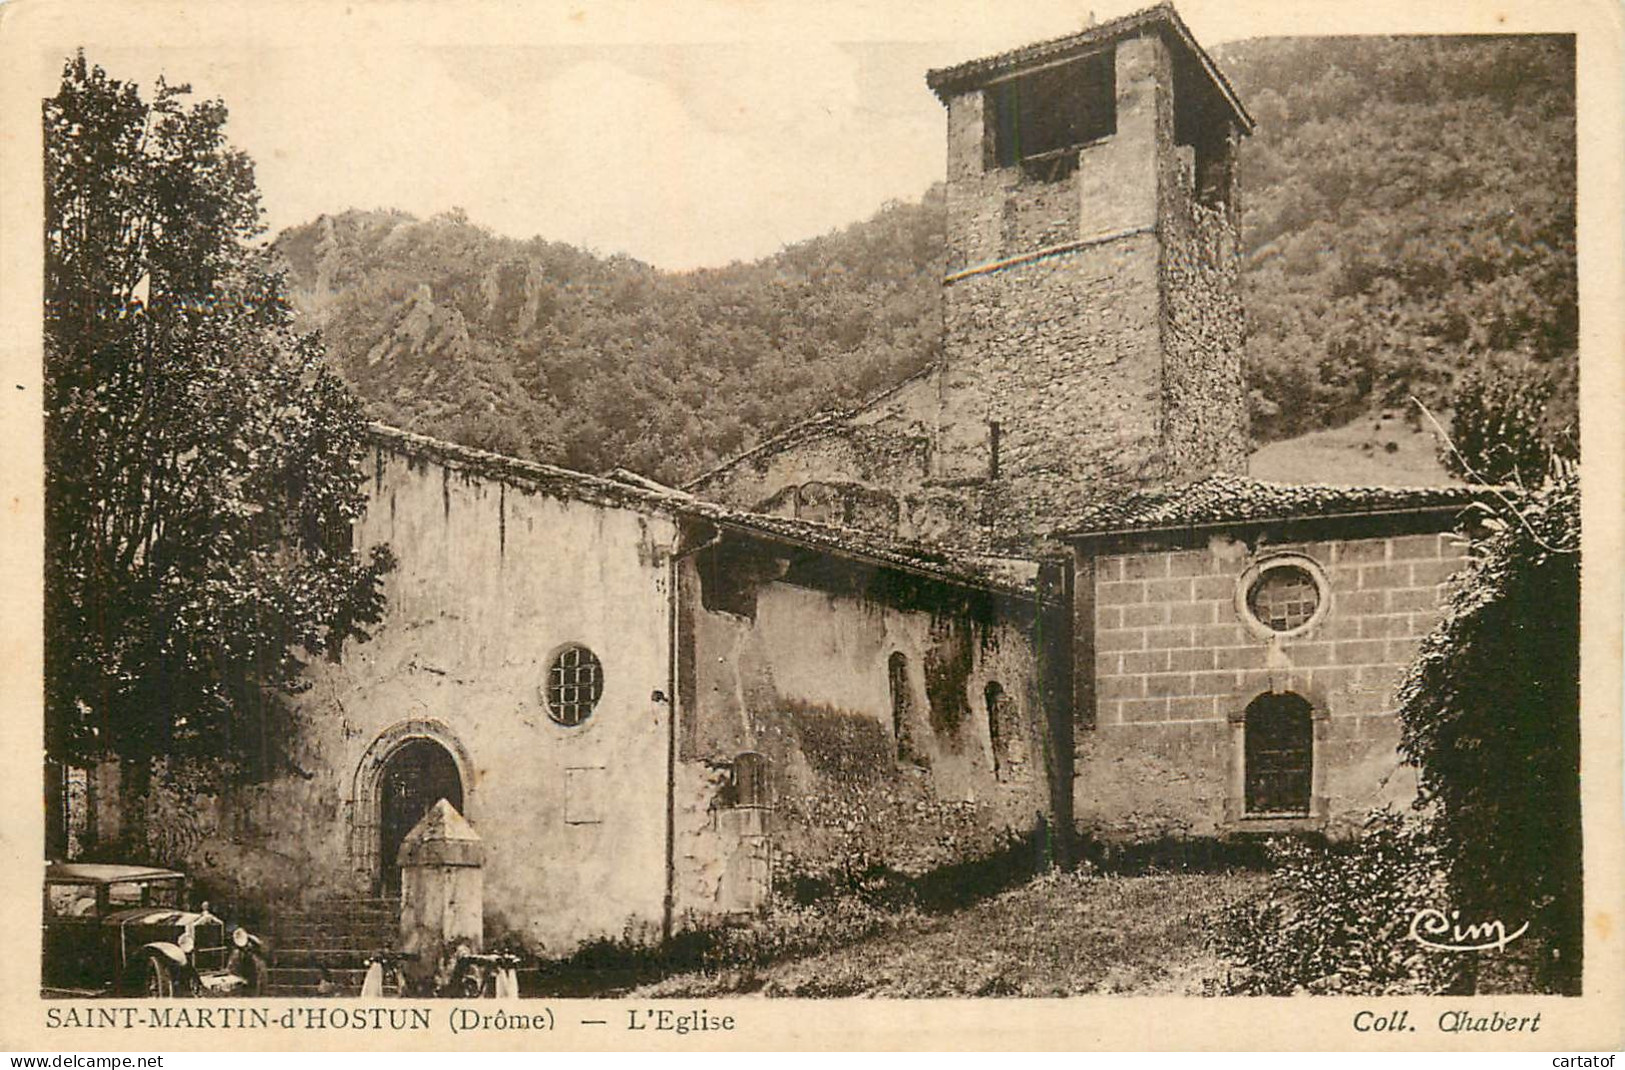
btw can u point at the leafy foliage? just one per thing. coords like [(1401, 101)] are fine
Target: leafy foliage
[(1501, 429), (1409, 212), (1336, 919), (545, 351), (201, 464), (1408, 215), (1490, 714)]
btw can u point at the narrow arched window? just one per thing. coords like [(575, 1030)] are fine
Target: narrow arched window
[(998, 731), (901, 701), (750, 781), (1279, 755)]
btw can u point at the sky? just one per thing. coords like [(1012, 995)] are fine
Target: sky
[(685, 133)]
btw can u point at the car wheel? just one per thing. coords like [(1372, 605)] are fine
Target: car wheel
[(159, 984)]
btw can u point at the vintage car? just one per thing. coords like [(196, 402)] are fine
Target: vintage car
[(124, 930)]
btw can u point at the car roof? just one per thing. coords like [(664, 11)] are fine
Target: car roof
[(105, 873)]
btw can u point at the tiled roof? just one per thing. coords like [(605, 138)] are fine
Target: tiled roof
[(972, 73), (1007, 575), (564, 481), (1221, 500), (1010, 575)]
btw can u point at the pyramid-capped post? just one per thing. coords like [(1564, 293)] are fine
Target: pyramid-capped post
[(443, 838)]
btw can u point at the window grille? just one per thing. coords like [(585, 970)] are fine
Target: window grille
[(575, 682), (1280, 749), (750, 780), (1284, 598)]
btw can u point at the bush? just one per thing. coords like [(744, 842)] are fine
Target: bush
[(1490, 717), (1336, 918), (1500, 432)]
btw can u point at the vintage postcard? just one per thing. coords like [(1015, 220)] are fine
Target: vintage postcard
[(718, 525)]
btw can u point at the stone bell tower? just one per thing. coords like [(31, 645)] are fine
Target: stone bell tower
[(1093, 337)]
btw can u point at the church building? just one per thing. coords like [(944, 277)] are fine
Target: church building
[(1030, 593)]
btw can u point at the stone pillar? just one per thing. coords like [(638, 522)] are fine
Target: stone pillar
[(442, 890)]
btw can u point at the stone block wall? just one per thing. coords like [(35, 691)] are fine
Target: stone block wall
[(1094, 319), (869, 469), (1204, 385), (1062, 352), (1111, 364), (1176, 666), (1003, 213)]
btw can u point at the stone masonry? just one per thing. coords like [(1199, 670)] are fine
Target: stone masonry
[(1175, 666), (1092, 317), (1095, 319)]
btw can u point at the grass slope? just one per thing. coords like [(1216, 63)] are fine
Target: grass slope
[(1057, 935), (1379, 449)]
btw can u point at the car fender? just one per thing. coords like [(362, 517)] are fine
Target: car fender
[(174, 954)]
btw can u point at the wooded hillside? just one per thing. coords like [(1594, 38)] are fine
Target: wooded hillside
[(1408, 213)]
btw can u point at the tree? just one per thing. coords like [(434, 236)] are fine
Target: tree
[(1490, 716), (202, 465), (1501, 429), (1336, 917)]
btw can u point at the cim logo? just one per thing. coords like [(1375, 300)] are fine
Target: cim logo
[(1436, 932)]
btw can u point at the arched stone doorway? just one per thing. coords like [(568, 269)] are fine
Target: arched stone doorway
[(406, 770), (417, 774)]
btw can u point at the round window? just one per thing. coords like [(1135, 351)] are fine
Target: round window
[(575, 682), (1282, 596)]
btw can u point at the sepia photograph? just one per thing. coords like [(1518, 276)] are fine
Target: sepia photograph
[(962, 504)]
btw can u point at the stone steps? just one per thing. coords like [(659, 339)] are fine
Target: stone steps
[(352, 956), (337, 935), (303, 980)]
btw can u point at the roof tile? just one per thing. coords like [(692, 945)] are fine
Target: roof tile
[(1228, 499)]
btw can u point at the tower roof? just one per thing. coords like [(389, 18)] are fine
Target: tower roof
[(973, 74)]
